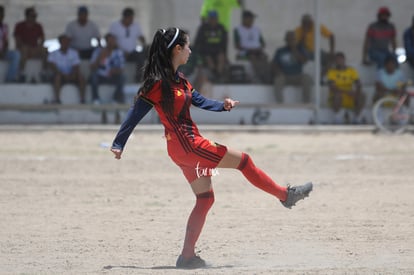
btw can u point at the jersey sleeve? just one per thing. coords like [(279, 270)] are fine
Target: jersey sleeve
[(133, 117), (207, 104)]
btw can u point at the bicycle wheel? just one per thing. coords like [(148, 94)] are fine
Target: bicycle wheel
[(387, 119)]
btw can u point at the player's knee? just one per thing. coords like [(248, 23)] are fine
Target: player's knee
[(245, 161)]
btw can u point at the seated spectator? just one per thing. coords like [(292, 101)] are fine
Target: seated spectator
[(12, 57), (81, 31), (287, 66), (127, 32), (250, 45), (409, 43), (211, 45), (304, 35), (345, 91), (29, 38), (380, 39), (390, 80), (64, 64), (107, 65)]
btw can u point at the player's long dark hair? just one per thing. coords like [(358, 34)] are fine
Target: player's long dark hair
[(159, 65)]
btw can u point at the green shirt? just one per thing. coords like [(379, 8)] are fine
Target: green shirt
[(223, 9)]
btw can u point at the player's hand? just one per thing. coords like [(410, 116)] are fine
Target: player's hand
[(230, 104), (117, 153)]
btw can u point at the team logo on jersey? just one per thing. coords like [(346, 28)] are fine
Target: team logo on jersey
[(179, 93)]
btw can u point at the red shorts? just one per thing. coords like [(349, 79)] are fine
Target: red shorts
[(201, 161)]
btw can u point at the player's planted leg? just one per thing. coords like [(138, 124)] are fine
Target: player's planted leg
[(188, 259)]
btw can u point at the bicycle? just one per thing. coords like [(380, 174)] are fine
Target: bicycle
[(392, 115)]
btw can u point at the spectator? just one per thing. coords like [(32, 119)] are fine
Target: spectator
[(81, 31), (304, 35), (250, 45), (64, 64), (223, 8), (380, 39), (29, 37), (409, 43), (345, 90), (211, 44), (127, 32), (390, 80), (287, 66), (12, 57), (107, 66)]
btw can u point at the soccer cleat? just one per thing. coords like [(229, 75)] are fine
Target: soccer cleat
[(192, 263), (296, 193)]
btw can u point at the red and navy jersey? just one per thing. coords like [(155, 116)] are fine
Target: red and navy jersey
[(178, 124)]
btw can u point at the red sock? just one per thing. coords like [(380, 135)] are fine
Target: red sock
[(196, 221), (259, 178)]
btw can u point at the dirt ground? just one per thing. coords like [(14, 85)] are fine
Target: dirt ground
[(68, 207)]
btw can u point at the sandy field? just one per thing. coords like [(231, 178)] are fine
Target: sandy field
[(68, 207)]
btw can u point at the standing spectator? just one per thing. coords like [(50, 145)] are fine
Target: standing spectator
[(107, 66), (127, 32), (81, 31), (250, 45), (380, 39), (64, 64), (29, 37), (211, 45), (390, 80), (223, 8), (345, 90), (287, 66), (12, 57), (409, 43), (304, 35)]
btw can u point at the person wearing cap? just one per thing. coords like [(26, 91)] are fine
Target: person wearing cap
[(211, 45), (250, 44), (29, 38), (224, 10), (81, 31), (64, 64), (408, 38), (127, 33), (304, 36), (380, 39)]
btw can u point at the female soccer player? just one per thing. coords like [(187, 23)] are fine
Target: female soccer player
[(172, 95)]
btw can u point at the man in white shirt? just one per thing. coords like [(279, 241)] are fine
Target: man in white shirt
[(127, 33), (81, 31), (64, 64), (250, 45)]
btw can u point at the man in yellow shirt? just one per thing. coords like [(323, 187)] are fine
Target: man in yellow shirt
[(304, 34), (345, 91)]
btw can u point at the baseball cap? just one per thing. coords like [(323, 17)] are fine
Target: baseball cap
[(82, 9), (384, 10), (212, 14)]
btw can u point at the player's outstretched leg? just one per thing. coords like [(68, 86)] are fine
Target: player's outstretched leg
[(242, 161)]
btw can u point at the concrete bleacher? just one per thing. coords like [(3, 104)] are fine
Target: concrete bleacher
[(28, 103)]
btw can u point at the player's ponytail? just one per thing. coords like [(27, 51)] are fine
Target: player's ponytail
[(159, 64)]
